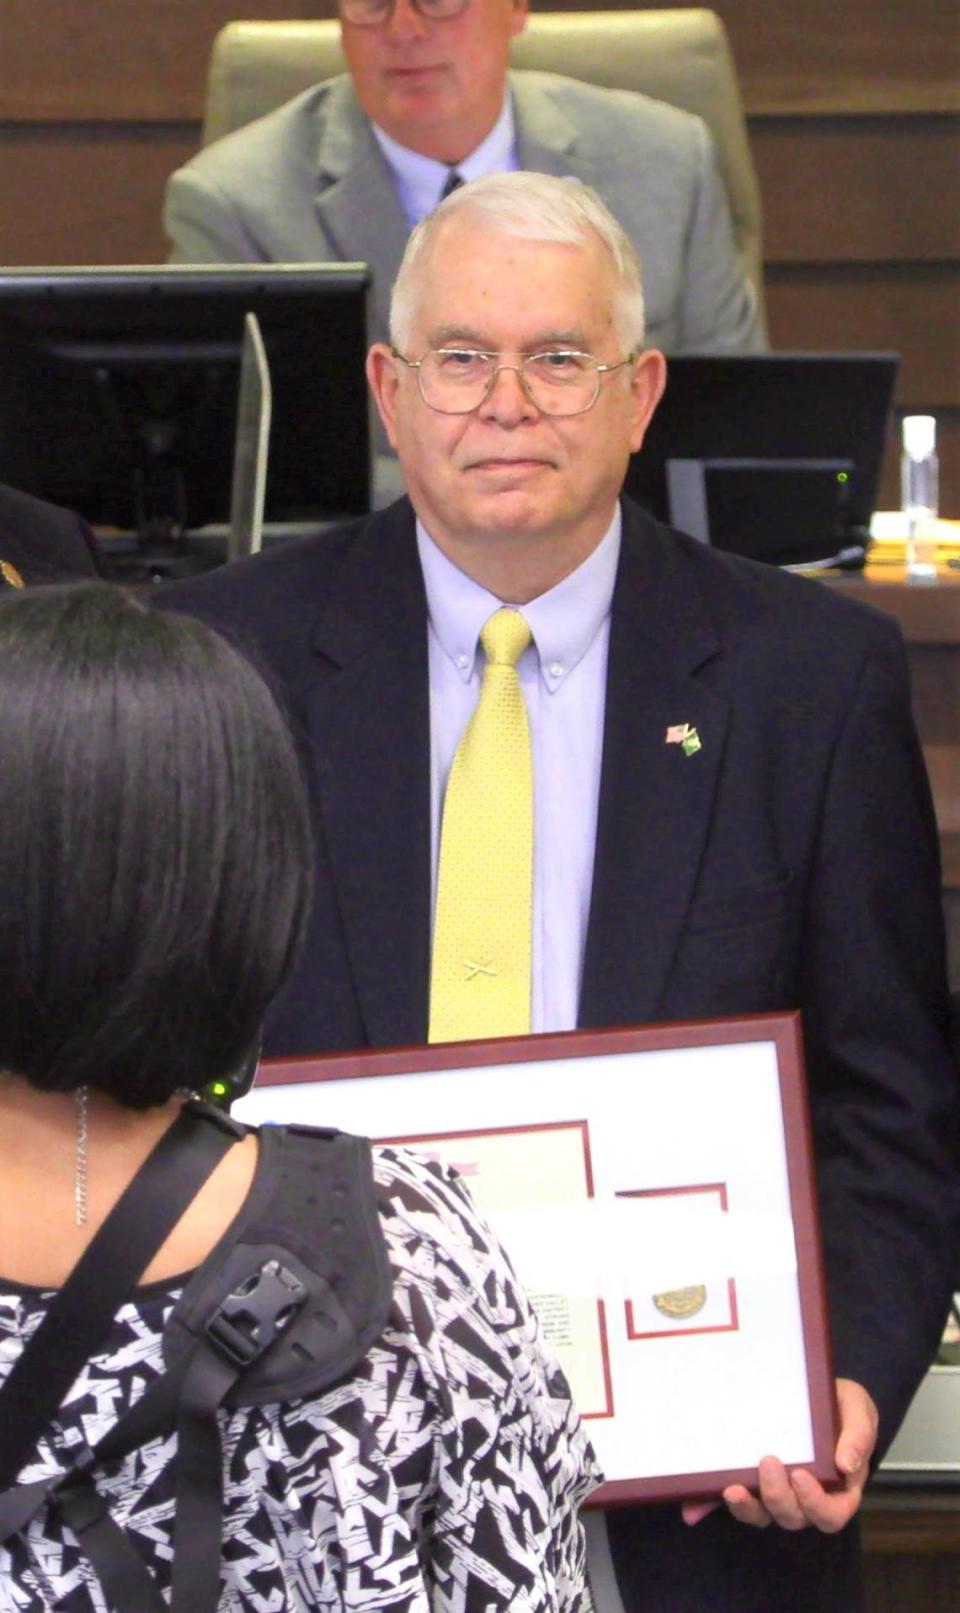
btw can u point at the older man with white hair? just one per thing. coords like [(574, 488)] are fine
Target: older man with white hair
[(787, 860)]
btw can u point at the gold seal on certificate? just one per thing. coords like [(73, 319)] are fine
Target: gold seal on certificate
[(681, 1301)]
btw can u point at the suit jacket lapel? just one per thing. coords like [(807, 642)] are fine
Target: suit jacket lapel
[(357, 204), (369, 720), (547, 140), (655, 800)]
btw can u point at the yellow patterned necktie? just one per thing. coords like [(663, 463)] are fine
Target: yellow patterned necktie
[(480, 979)]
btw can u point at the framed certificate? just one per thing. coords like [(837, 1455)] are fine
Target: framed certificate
[(654, 1189)]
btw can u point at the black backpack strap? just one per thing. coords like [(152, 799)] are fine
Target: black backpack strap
[(198, 1515), (120, 1568), (185, 1399), (293, 1295), (123, 1575), (81, 1313), (312, 1212)]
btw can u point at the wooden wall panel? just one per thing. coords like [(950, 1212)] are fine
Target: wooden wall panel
[(87, 193), (114, 60), (858, 189), (88, 58), (911, 309), (850, 56)]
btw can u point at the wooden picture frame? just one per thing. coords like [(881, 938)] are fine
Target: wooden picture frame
[(654, 1188)]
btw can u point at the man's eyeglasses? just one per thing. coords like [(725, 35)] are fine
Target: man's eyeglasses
[(368, 13), (457, 380)]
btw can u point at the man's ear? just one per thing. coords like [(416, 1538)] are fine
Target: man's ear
[(519, 10), (646, 384), (383, 381)]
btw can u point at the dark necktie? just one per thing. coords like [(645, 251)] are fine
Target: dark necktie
[(453, 182)]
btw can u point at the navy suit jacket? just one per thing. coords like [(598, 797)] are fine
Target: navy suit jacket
[(44, 542), (790, 863)]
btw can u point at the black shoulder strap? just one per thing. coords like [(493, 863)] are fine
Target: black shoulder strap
[(311, 1212), (80, 1314), (288, 1302)]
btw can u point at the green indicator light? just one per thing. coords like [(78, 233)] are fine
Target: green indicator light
[(218, 1088), (842, 476)]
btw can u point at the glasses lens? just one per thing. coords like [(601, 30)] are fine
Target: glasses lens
[(367, 13), (561, 383), (454, 380), (364, 13), (457, 380)]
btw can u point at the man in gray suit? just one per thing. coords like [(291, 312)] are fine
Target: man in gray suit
[(344, 171)]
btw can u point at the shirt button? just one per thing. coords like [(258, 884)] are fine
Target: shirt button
[(555, 669), (463, 661)]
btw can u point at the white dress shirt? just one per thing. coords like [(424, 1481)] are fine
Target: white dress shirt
[(419, 180)]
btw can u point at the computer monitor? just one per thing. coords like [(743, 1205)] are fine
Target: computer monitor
[(119, 391), (775, 456)]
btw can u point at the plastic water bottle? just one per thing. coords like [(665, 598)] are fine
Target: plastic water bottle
[(919, 495)]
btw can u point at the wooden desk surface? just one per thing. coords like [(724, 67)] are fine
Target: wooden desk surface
[(929, 618), (928, 612), (911, 1520)]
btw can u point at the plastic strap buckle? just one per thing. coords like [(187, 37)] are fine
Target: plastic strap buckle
[(248, 1321)]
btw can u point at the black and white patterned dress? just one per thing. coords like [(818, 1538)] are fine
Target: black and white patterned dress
[(444, 1476)]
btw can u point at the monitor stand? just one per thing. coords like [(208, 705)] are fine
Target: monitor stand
[(126, 559), (162, 550)]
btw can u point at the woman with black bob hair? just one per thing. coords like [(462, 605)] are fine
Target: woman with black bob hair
[(154, 869), (154, 848)]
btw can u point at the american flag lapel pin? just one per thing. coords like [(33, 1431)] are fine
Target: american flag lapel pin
[(684, 735)]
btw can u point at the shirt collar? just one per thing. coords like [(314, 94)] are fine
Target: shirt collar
[(564, 621), (420, 179)]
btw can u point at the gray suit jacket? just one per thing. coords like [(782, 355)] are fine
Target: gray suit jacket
[(309, 183)]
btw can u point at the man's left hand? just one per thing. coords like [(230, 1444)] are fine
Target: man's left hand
[(795, 1499)]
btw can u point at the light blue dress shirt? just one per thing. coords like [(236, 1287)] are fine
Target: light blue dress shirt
[(563, 676), (420, 180)]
